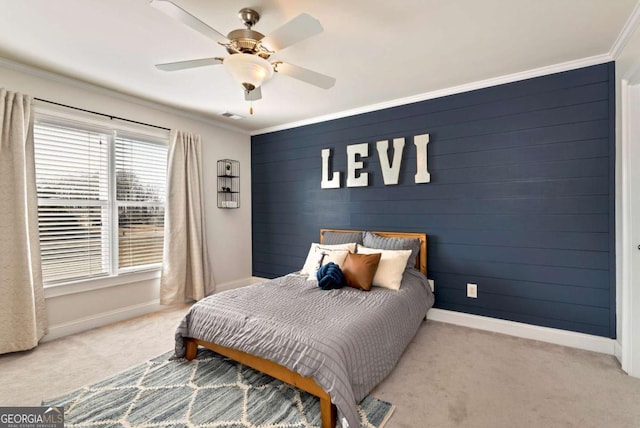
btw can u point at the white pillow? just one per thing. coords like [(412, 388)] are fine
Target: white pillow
[(336, 256), (320, 254), (391, 266)]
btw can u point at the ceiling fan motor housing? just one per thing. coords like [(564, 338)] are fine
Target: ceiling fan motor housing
[(246, 41)]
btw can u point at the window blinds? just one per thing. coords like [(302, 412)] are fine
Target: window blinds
[(140, 190), (100, 201), (73, 201)]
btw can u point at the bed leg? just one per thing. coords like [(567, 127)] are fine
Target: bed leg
[(192, 349), (327, 413)]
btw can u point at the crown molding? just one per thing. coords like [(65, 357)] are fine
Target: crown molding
[(627, 31), (56, 77), (509, 78)]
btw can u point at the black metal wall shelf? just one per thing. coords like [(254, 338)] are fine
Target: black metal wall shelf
[(228, 183)]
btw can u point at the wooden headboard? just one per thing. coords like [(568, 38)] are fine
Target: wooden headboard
[(421, 260)]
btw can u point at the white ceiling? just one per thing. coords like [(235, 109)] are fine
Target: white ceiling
[(377, 51)]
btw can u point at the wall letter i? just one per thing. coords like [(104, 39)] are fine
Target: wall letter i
[(422, 168)]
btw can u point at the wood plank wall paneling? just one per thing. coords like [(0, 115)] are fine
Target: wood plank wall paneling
[(521, 199)]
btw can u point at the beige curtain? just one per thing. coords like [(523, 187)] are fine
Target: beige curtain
[(186, 274), (23, 318)]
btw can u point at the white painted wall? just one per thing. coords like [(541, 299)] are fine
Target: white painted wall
[(228, 231)]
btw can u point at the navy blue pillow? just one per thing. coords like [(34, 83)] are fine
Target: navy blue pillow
[(330, 276)]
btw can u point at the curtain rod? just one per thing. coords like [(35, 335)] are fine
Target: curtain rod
[(102, 114)]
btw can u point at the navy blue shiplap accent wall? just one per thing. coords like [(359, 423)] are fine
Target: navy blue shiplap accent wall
[(521, 199)]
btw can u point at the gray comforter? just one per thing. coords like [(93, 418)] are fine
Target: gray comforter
[(346, 339)]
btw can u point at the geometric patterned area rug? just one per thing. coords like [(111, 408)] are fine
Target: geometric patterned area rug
[(210, 391)]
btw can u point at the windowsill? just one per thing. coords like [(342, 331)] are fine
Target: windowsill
[(98, 283)]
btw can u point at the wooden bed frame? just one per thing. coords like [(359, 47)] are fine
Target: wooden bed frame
[(327, 409)]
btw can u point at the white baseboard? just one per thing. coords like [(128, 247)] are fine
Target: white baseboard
[(544, 334), (98, 320), (617, 349), (527, 331), (101, 319), (229, 285)]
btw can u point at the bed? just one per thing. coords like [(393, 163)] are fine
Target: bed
[(335, 344)]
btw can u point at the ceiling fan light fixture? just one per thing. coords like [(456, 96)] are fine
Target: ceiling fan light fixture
[(251, 71)]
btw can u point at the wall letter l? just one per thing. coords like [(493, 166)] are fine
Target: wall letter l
[(334, 183)]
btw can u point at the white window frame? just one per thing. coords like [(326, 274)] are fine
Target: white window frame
[(66, 116)]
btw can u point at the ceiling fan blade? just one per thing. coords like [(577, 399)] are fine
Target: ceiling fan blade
[(179, 14), (299, 28), (314, 78), (193, 63), (254, 95)]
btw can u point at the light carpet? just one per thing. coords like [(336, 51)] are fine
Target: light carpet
[(209, 391)]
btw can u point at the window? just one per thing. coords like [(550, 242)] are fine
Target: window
[(140, 189), (101, 193)]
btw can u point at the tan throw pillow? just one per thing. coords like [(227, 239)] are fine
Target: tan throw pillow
[(359, 270)]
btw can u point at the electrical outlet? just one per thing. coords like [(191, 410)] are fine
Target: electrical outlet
[(472, 290)]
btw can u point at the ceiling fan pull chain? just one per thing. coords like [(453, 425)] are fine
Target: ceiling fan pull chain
[(250, 107)]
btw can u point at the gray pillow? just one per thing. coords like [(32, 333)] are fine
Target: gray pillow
[(371, 240), (335, 238)]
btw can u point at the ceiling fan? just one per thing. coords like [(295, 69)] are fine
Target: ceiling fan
[(250, 51)]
